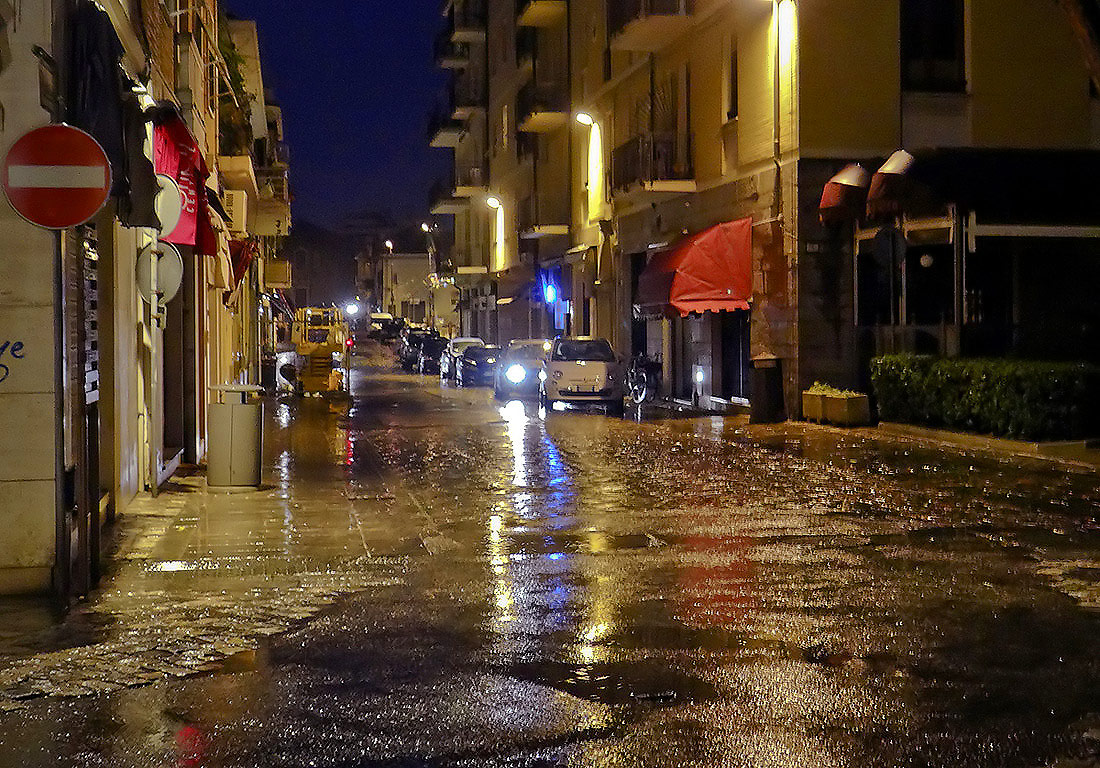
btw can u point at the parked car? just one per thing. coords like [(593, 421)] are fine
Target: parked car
[(448, 361), (409, 351), (376, 322), (391, 329), (517, 373), (582, 369), (430, 351), (477, 366)]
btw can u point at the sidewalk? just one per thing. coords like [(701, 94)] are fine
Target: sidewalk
[(200, 576), (1083, 453)]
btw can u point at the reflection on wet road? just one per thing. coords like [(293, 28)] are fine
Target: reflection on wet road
[(573, 589)]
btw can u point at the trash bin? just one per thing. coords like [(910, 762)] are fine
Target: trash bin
[(766, 405), (235, 438)]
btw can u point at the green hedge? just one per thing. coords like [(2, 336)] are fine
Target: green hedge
[(1024, 399)]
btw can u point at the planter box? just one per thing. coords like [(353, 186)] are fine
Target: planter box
[(847, 410), (813, 406)]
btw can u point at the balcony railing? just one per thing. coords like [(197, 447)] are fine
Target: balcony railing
[(473, 176), (443, 129), (651, 158), (448, 53), (540, 215), (542, 106), (468, 21), (443, 200), (467, 95), (648, 22), (273, 184)]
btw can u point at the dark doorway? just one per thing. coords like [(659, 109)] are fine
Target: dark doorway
[(734, 334)]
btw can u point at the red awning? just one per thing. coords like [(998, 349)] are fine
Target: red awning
[(844, 197), (889, 186), (241, 253), (710, 271)]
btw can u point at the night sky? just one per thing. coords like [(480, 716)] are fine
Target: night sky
[(357, 81)]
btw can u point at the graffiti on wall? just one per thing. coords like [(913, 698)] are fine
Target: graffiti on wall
[(10, 351)]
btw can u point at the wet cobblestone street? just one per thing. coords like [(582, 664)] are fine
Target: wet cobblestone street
[(430, 577)]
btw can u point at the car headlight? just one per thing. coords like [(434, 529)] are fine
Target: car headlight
[(557, 375), (516, 374), (542, 375)]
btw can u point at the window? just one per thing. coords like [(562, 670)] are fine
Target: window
[(504, 129), (933, 43)]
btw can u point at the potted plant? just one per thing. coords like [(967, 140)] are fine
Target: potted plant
[(813, 402), (842, 407)]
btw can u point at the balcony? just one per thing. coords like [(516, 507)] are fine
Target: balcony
[(541, 13), (468, 22), (444, 130), (538, 216), (449, 54), (658, 162), (647, 25), (273, 210), (467, 98), (444, 202), (542, 108), (470, 182)]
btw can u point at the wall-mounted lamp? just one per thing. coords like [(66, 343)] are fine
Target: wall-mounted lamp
[(493, 202), (585, 119), (389, 244)]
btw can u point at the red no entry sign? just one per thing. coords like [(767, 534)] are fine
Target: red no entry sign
[(56, 176)]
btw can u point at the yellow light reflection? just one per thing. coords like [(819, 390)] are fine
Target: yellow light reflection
[(787, 31), (498, 560), (596, 182), (498, 239)]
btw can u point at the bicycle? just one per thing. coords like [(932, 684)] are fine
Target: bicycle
[(643, 378)]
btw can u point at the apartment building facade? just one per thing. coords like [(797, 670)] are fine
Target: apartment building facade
[(681, 116), (108, 394)]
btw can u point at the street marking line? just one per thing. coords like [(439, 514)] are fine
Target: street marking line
[(57, 176)]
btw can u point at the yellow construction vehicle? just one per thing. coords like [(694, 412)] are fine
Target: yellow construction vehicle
[(321, 338)]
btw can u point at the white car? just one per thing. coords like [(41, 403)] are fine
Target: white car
[(582, 369), (448, 361)]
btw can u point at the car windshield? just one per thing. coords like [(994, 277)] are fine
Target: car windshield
[(481, 354), (595, 350), (527, 352), (459, 346), (435, 344)]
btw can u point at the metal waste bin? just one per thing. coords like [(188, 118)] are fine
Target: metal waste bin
[(235, 436), (766, 405)]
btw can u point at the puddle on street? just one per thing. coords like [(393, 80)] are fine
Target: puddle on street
[(619, 684)]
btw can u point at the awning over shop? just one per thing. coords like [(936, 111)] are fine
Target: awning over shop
[(889, 186), (241, 252), (710, 271), (845, 195)]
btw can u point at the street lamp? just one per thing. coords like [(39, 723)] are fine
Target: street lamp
[(352, 309), (493, 202), (585, 119)]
